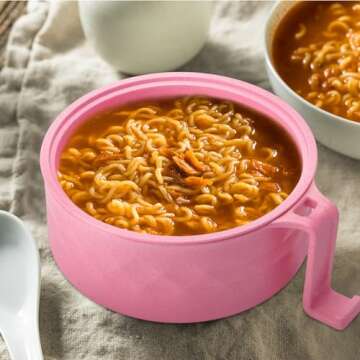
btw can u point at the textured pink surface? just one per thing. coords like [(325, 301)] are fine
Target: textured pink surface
[(203, 277)]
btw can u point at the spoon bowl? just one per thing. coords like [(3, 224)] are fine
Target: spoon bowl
[(19, 289)]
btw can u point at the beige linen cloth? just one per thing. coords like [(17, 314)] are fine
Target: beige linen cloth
[(49, 65)]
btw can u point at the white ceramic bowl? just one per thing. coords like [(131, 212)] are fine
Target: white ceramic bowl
[(333, 131)]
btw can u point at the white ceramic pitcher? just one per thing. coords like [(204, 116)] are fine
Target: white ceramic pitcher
[(139, 37)]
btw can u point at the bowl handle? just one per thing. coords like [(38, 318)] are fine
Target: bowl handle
[(318, 217)]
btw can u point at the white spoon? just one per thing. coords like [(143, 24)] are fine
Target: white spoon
[(19, 289)]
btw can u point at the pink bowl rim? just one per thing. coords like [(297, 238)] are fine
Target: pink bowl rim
[(303, 139)]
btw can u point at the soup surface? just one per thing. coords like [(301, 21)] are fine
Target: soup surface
[(179, 167), (316, 50)]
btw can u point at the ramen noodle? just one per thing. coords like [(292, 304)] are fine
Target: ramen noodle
[(178, 167), (316, 51)]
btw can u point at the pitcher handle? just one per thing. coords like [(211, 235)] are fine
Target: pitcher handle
[(318, 217)]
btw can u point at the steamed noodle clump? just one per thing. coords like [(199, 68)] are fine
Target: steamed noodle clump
[(185, 166), (326, 44)]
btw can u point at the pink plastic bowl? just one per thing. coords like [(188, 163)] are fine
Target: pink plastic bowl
[(203, 277)]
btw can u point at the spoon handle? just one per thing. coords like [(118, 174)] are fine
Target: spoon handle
[(23, 341)]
